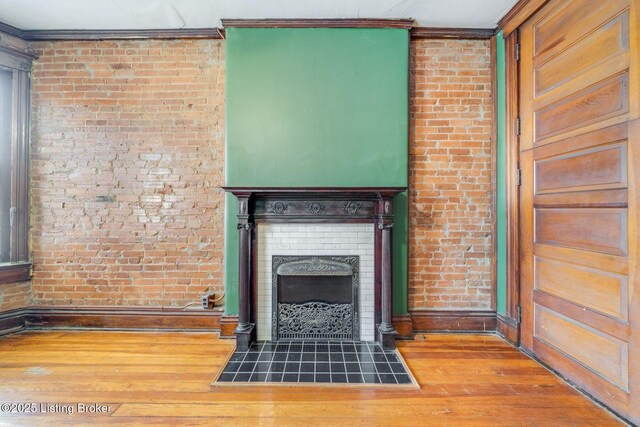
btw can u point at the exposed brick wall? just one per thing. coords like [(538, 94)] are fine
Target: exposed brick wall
[(127, 149), (450, 209), (14, 295)]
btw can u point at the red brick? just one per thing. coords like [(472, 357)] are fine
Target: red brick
[(450, 209), (137, 121)]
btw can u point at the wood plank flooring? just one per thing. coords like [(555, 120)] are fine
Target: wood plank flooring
[(160, 378)]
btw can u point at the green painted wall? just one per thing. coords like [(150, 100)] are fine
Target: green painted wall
[(501, 203), (317, 107)]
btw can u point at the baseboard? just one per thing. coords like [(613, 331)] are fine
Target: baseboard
[(12, 321), (404, 326), (408, 324), (425, 321), (509, 329), (139, 318), (122, 318), (228, 325)]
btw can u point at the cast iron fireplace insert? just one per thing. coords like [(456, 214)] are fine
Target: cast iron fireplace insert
[(315, 297)]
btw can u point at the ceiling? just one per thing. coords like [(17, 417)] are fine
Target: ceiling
[(169, 14)]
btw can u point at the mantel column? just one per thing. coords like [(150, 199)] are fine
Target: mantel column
[(386, 331), (245, 332)]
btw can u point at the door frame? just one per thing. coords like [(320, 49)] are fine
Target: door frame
[(509, 323)]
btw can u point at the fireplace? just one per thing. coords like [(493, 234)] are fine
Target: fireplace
[(315, 298), (312, 290)]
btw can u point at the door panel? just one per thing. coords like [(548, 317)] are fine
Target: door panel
[(593, 49), (570, 22), (601, 167), (593, 104), (597, 230), (578, 210), (594, 289), (605, 355)]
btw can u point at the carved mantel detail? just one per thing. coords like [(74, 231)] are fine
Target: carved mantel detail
[(315, 207), (277, 208), (352, 208)]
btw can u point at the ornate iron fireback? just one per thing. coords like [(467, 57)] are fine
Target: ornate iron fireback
[(315, 320), (315, 266), (315, 308)]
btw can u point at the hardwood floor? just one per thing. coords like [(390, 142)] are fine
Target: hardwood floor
[(164, 379)]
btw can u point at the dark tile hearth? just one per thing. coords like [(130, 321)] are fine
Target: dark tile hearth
[(316, 362)]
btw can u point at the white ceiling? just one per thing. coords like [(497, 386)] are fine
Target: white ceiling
[(166, 14)]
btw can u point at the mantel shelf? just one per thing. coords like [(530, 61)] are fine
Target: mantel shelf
[(317, 192)]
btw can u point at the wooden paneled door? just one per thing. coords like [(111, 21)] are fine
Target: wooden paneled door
[(580, 160)]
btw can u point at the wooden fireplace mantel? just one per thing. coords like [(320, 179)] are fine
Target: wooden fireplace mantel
[(314, 205)]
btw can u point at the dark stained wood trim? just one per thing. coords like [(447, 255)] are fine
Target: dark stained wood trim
[(291, 205), (122, 318), (219, 33), (386, 331), (12, 273), (19, 59), (512, 164), (404, 326), (319, 23), (11, 30), (152, 318), (20, 53), (22, 165), (453, 321), (508, 329), (518, 14), (246, 330), (337, 190), (228, 325), (424, 321), (494, 172), (452, 33), (377, 277), (167, 34), (12, 321), (162, 34)]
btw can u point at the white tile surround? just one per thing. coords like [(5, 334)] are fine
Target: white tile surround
[(316, 239)]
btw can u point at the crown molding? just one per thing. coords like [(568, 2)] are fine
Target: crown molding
[(519, 13), (168, 34), (219, 33), (159, 34), (319, 23), (452, 33), (10, 29)]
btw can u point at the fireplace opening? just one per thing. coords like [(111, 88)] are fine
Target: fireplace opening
[(315, 298)]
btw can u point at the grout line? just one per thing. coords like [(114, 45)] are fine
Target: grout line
[(371, 353), (256, 362), (238, 370), (273, 356), (389, 363)]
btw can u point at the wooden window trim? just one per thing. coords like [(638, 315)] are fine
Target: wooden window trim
[(15, 272), (19, 61)]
